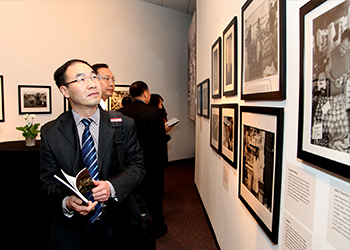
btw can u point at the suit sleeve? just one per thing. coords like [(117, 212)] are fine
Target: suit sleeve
[(51, 188), (133, 170)]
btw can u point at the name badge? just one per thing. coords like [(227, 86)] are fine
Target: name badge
[(119, 119)]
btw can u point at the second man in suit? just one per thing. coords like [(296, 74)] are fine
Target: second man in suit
[(153, 140)]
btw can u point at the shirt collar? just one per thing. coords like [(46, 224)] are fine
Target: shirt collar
[(95, 117)]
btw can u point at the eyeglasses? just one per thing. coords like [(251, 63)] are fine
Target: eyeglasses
[(84, 79), (107, 79)]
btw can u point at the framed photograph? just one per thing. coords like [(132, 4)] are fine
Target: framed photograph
[(215, 134), (324, 109), (2, 102), (192, 61), (264, 50), (199, 99), (229, 130), (115, 101), (230, 59), (34, 99), (205, 98), (216, 68), (261, 165)]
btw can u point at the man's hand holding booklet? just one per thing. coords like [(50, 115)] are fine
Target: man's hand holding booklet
[(80, 185)]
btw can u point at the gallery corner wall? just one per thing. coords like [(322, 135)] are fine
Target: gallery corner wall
[(138, 40), (218, 182)]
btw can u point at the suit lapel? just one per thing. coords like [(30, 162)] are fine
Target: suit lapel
[(105, 138), (69, 133)]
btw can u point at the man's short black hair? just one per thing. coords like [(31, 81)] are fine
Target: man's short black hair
[(137, 88), (60, 73), (97, 66)]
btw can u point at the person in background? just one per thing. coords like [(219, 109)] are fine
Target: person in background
[(126, 101), (107, 82), (104, 222), (157, 101), (152, 137)]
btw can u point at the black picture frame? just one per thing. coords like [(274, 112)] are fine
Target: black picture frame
[(115, 101), (2, 102), (261, 149), (216, 68), (205, 98), (263, 51), (199, 99), (215, 127), (229, 133), (229, 81), (323, 106), (34, 99)]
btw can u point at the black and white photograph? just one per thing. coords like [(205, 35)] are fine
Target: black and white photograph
[(199, 99), (215, 122), (34, 99), (2, 109), (263, 60), (216, 68), (258, 162), (230, 59), (261, 165), (324, 115), (115, 101), (192, 78), (205, 98), (229, 133)]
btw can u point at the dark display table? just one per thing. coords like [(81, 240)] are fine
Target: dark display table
[(27, 217)]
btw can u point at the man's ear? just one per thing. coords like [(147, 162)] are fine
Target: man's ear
[(64, 91)]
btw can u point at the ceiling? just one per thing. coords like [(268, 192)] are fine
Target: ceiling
[(188, 6)]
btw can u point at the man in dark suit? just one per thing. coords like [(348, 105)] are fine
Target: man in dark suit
[(152, 137), (118, 174)]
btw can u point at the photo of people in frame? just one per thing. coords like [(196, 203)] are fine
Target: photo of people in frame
[(261, 43), (331, 79), (258, 163)]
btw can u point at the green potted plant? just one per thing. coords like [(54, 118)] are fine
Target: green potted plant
[(30, 130)]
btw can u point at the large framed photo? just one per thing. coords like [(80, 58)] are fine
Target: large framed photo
[(216, 68), (229, 130), (264, 53), (34, 99), (261, 165), (2, 102), (215, 134), (205, 98), (324, 115), (230, 59), (115, 101), (199, 99)]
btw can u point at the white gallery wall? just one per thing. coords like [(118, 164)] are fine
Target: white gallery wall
[(232, 223), (138, 40)]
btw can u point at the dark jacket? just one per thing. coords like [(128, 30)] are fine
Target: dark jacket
[(60, 149)]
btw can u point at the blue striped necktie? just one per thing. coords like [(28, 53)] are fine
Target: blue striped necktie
[(90, 162)]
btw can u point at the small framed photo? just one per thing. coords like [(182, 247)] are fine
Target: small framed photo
[(2, 102), (324, 110), (199, 99), (229, 131), (205, 98), (264, 50), (261, 165), (230, 59), (215, 134), (115, 101), (216, 68), (34, 99)]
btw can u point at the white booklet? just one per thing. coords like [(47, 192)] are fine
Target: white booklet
[(80, 184), (172, 122)]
